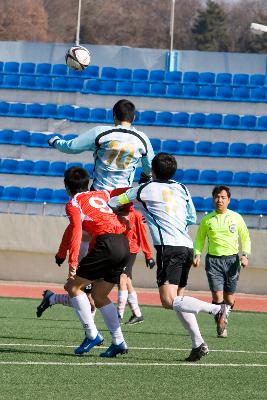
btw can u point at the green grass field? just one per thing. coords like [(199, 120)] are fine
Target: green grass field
[(37, 360)]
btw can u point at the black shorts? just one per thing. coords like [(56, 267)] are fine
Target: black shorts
[(129, 267), (107, 260), (173, 265)]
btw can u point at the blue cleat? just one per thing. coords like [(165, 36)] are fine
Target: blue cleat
[(115, 349), (88, 344), (44, 303)]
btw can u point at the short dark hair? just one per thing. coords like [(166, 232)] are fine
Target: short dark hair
[(164, 166), (219, 189), (76, 179), (124, 110)]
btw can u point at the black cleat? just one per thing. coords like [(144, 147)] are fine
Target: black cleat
[(197, 353), (135, 320), (221, 320), (44, 303)]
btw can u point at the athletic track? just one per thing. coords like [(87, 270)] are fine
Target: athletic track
[(244, 302)]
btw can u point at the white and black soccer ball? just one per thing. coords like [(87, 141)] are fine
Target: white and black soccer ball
[(78, 58)]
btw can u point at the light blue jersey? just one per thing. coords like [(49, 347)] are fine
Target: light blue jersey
[(117, 151), (168, 209)]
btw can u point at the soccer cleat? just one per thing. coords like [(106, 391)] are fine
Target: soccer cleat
[(88, 344), (220, 319), (223, 334), (115, 349), (135, 320), (44, 303), (197, 353)]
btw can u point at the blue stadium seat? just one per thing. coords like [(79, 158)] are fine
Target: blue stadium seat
[(89, 168), (245, 206), (98, 115), (258, 94), (208, 205), (264, 151), (22, 138), (57, 168), (60, 196), (241, 178), (92, 86), (158, 89), (27, 68), (27, 82), (237, 149), (4, 107), (173, 76), (231, 121), (156, 75), (28, 193), (213, 120), (241, 93), (141, 88), (262, 122), (197, 120), (43, 69), (43, 82), (219, 149), (224, 92), (41, 167), (11, 67), (257, 80), (10, 81), (207, 92), (181, 119), (124, 87), (248, 121), (233, 204), (7, 136), (170, 146), (109, 73), (240, 79), (110, 118), (198, 203), (148, 117), (34, 110), (59, 70), (223, 78), (38, 140), (11, 193), (74, 164), (174, 90), (179, 175), (140, 74), (156, 144), (44, 195), (17, 109), (206, 78), (208, 177), (92, 71), (124, 74), (1, 67), (60, 84), (108, 87), (258, 179), (191, 176), (81, 114), (70, 136), (75, 84), (190, 91), (254, 150), (164, 118), (203, 148), (9, 166), (1, 191), (186, 147), (225, 177), (25, 167), (190, 77), (260, 207), (65, 111), (137, 174)]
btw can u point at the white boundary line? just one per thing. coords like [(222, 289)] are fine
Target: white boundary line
[(131, 348), (102, 364)]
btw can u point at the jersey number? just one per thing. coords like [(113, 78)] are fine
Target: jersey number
[(99, 203), (171, 205), (118, 153)]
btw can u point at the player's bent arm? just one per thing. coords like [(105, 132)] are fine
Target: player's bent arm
[(83, 142), (191, 212), (74, 216), (125, 198), (65, 243), (146, 160), (244, 236), (200, 238)]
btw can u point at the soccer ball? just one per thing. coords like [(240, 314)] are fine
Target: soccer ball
[(78, 58)]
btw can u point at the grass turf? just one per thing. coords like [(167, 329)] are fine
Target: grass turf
[(37, 359)]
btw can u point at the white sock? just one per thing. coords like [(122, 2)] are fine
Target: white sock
[(93, 313), (63, 299), (122, 300), (133, 303), (82, 308), (190, 324), (111, 320), (192, 305)]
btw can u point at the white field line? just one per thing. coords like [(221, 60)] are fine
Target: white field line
[(124, 364), (131, 348)]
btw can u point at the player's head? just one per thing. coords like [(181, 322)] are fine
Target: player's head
[(221, 197), (76, 180), (164, 166), (123, 111)]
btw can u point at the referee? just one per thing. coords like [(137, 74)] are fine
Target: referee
[(223, 228)]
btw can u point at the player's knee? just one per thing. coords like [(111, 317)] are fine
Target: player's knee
[(166, 302)]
